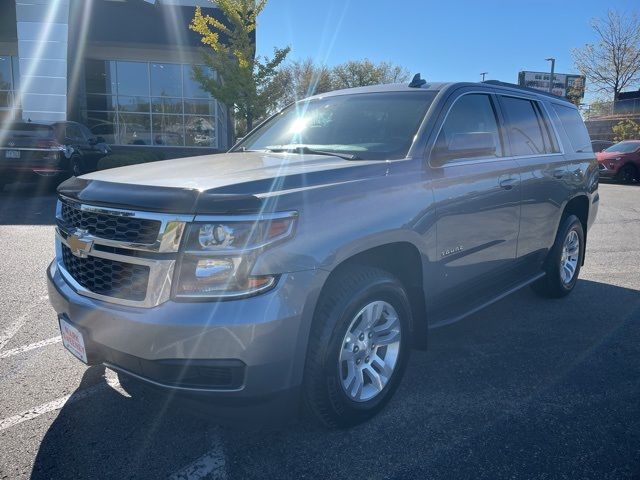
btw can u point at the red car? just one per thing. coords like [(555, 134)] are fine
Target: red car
[(621, 161)]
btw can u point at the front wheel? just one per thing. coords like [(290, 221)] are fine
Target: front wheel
[(358, 346), (564, 260)]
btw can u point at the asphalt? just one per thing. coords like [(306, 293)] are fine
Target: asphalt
[(527, 388)]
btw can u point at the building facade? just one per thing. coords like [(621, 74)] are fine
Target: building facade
[(122, 67)]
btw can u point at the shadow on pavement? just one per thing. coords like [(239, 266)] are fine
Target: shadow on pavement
[(28, 204), (527, 388), (110, 435)]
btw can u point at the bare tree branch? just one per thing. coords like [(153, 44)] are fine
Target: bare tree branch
[(613, 62)]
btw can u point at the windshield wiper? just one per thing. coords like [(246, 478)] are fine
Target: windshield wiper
[(313, 151)]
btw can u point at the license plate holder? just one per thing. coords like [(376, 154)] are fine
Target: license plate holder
[(73, 340)]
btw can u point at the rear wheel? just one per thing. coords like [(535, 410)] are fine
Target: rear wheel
[(627, 174), (358, 346), (564, 260)]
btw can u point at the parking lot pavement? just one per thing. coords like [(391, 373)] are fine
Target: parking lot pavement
[(527, 388)]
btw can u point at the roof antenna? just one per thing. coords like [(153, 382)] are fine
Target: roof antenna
[(417, 82)]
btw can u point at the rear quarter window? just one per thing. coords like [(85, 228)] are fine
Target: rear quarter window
[(574, 127)]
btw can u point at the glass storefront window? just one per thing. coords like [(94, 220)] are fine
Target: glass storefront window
[(5, 99), (166, 80), (199, 107), (200, 131), (100, 76), (101, 102), (6, 82), (103, 124), (191, 88), (151, 103), (167, 105), (168, 130), (134, 129), (133, 78), (133, 104)]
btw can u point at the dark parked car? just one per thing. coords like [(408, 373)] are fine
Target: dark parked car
[(306, 262), (53, 150), (621, 162), (600, 145)]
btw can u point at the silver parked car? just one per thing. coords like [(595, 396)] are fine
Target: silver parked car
[(307, 262)]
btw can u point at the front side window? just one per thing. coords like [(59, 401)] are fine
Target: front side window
[(372, 126), (528, 132), (469, 131)]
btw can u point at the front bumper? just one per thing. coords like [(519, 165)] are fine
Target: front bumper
[(264, 337), (606, 172)]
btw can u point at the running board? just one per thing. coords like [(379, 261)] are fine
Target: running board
[(457, 318)]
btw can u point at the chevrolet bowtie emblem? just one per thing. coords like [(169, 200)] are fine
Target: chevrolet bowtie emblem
[(78, 246)]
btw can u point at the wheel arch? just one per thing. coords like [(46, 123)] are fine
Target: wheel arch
[(578, 206), (403, 260)]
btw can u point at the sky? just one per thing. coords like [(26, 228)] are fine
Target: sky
[(451, 40)]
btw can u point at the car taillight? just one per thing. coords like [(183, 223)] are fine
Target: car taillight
[(51, 144)]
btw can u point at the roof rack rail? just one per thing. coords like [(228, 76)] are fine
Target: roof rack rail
[(527, 89)]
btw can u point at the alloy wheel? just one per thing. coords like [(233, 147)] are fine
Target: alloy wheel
[(370, 351)]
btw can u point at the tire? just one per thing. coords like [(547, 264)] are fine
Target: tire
[(331, 362), (627, 174), (555, 283), (77, 167)]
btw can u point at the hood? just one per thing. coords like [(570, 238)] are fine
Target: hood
[(602, 156), (229, 182), (212, 172)]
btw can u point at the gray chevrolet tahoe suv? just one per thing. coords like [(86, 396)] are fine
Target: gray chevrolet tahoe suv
[(307, 262)]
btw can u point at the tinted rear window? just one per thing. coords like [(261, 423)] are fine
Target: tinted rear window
[(574, 126), (528, 130), (32, 130)]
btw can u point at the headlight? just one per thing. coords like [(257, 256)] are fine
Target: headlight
[(218, 255)]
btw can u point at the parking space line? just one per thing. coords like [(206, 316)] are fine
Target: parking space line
[(9, 333), (211, 465), (111, 381), (31, 346)]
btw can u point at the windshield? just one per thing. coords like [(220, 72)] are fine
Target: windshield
[(373, 126), (31, 130), (624, 147)]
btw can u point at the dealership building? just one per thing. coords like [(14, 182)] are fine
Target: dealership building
[(122, 67)]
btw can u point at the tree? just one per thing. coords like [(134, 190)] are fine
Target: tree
[(301, 79), (613, 62), (246, 82), (575, 94), (359, 73), (626, 130)]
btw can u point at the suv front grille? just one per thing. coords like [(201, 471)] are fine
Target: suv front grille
[(110, 227), (108, 277)]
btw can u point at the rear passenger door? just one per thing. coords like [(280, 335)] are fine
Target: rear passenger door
[(477, 193), (543, 171)]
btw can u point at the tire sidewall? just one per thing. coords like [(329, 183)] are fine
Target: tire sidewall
[(385, 289), (571, 223)]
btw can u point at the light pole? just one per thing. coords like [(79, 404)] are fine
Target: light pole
[(553, 67), (483, 74)]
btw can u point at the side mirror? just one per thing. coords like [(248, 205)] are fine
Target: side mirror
[(100, 140), (465, 145), (93, 140)]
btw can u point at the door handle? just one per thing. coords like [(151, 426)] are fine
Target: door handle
[(508, 183)]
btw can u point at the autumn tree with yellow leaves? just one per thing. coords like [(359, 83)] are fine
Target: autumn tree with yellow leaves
[(242, 81)]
